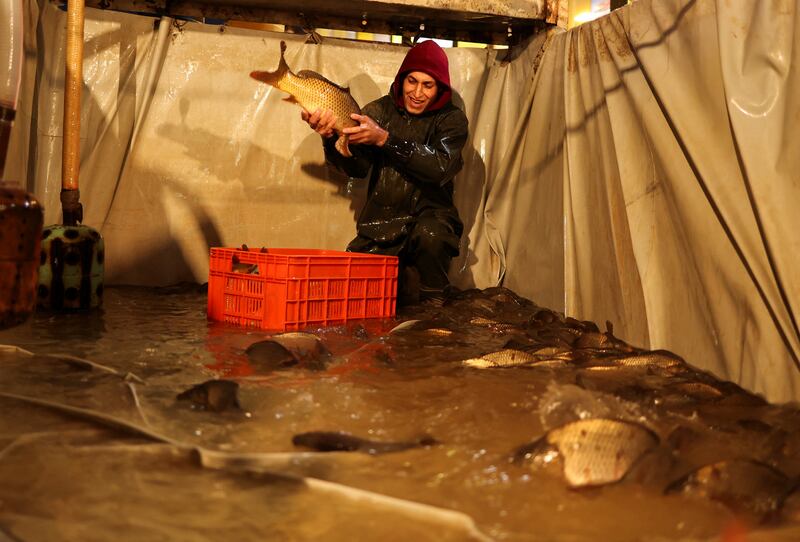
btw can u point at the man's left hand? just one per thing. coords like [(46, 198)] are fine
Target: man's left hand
[(368, 132)]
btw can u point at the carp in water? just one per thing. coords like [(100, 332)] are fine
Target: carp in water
[(594, 451), (332, 441)]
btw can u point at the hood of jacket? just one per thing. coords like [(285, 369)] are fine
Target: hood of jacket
[(430, 58)]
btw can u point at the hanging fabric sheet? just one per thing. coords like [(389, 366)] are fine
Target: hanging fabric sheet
[(637, 169)]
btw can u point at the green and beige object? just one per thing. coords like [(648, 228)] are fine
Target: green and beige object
[(72, 255), (71, 268)]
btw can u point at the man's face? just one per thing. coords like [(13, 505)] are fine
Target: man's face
[(419, 91)]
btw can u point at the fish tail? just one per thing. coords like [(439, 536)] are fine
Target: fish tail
[(273, 77), (342, 146)]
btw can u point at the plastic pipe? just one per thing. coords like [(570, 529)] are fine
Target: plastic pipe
[(10, 70), (71, 146)]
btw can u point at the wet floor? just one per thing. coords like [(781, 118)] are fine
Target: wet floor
[(488, 418)]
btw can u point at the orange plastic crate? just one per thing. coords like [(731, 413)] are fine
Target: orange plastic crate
[(294, 288)]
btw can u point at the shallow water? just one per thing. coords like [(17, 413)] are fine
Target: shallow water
[(63, 475)]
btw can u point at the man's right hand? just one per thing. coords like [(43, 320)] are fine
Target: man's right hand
[(321, 121)]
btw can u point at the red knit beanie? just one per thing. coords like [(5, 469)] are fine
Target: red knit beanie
[(425, 57)]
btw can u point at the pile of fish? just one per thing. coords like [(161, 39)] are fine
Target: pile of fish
[(613, 413)]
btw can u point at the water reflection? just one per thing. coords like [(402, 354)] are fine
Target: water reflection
[(388, 386)]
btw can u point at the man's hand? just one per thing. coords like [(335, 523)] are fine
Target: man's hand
[(367, 132), (321, 121)]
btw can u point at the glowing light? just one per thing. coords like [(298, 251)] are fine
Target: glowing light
[(586, 16)]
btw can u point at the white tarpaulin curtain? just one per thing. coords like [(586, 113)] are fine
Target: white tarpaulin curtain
[(679, 165), (639, 169)]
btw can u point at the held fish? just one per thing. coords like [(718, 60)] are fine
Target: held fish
[(312, 91)]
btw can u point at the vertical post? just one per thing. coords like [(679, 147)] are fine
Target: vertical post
[(10, 71), (72, 255), (73, 84)]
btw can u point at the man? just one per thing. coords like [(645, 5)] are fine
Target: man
[(412, 139)]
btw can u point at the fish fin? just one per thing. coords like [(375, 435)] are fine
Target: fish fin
[(343, 147), (272, 78), (291, 99), (529, 450), (311, 74)]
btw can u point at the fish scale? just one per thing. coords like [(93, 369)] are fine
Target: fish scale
[(312, 91), (600, 451)]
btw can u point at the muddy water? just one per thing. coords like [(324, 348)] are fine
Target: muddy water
[(64, 475)]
